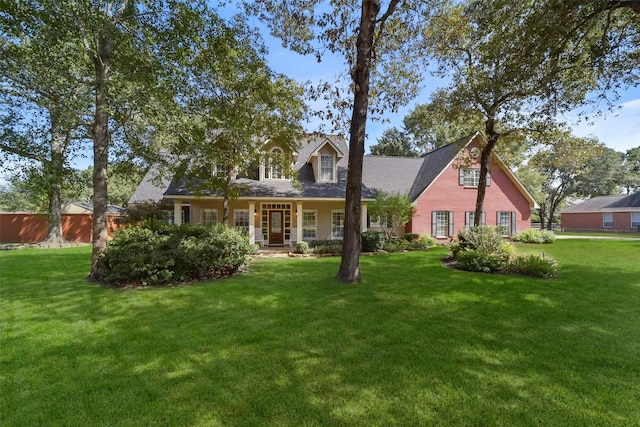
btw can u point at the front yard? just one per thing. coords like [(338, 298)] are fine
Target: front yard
[(285, 344)]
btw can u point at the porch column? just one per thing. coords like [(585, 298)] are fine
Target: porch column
[(177, 211), (363, 219), (252, 222), (299, 221)]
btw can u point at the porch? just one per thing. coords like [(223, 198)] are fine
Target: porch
[(277, 223)]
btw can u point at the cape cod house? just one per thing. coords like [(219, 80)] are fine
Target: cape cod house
[(274, 211)]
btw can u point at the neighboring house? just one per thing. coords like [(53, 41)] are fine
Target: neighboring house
[(620, 214), (87, 208), (274, 211)]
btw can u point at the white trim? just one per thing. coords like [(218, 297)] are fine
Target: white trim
[(205, 210), (342, 226), (334, 171), (303, 228), (262, 198)]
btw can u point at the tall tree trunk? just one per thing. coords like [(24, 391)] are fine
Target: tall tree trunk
[(349, 271), (100, 152), (55, 167), (492, 139)]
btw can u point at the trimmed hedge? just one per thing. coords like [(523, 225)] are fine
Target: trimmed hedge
[(157, 254)]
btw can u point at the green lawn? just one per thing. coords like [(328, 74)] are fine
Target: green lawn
[(286, 344)]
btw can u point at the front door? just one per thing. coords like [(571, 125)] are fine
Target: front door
[(276, 232)]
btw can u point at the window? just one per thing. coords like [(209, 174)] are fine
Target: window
[(635, 219), (381, 221), (241, 220), (507, 221), (470, 216), (309, 225), (471, 177), (337, 224), (273, 165), (607, 220), (209, 216), (442, 223), (326, 168), (219, 170)]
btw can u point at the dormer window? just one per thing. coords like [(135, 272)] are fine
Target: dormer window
[(273, 165), (327, 168), (219, 170)]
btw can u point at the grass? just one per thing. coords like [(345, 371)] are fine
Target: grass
[(286, 344)]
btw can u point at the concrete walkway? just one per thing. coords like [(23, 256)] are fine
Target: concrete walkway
[(597, 237)]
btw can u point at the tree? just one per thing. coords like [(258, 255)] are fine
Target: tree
[(394, 142), (602, 175), (520, 64), (392, 210), (431, 127), (561, 170), (631, 178), (43, 99), (231, 104), (381, 47)]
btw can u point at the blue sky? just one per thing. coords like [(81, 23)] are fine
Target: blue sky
[(619, 129)]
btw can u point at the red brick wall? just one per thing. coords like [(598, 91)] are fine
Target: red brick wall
[(445, 194), (594, 221), (32, 228)]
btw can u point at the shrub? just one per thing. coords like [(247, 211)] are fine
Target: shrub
[(330, 247), (411, 237), (475, 260), (484, 238), (534, 265), (534, 236), (162, 254), (302, 248), (373, 241), (427, 240), (396, 245)]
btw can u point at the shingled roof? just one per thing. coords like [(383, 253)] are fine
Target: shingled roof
[(607, 204), (402, 175)]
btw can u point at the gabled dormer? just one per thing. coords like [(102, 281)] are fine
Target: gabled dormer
[(324, 161)]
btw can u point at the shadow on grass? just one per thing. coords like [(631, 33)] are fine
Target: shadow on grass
[(286, 343)]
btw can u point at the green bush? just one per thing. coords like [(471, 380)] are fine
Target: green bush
[(534, 236), (160, 254), (411, 237), (427, 240), (302, 248), (396, 245), (534, 265), (327, 247), (373, 241), (484, 238), (475, 260)]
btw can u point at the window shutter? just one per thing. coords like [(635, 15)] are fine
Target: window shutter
[(368, 221), (467, 218), (513, 222), (483, 218), (434, 224), (488, 177), (461, 176), (450, 223)]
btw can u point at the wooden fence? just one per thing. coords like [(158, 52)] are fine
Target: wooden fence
[(32, 228)]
